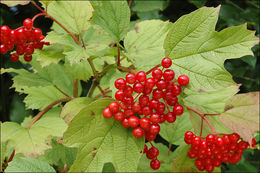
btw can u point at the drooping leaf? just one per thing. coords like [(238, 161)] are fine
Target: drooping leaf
[(113, 17), (23, 164), (32, 142), (101, 141), (199, 51), (242, 115), (146, 48), (174, 132), (74, 15), (73, 107), (14, 3)]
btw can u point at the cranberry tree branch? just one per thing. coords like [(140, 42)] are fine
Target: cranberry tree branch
[(107, 90), (149, 71), (46, 109), (61, 91), (75, 88), (37, 15)]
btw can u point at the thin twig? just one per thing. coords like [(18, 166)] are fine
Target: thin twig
[(130, 3), (61, 91), (40, 14), (201, 126), (46, 109), (127, 69), (11, 157), (118, 56), (95, 73), (148, 72), (169, 149), (107, 90), (75, 88), (101, 90), (92, 88)]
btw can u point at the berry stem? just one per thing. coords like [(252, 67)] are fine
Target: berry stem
[(151, 143), (55, 20), (75, 88), (101, 90), (148, 72), (46, 109), (118, 56), (169, 149), (37, 15), (201, 126), (11, 157), (203, 117), (127, 69), (61, 91), (137, 96)]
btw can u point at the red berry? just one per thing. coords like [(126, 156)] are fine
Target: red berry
[(20, 49), (157, 94), (219, 141), (210, 138), (27, 58), (157, 74), (106, 112), (201, 168), (143, 100), (149, 136), (168, 95), (253, 143), (130, 78), (145, 148), (154, 129), (28, 23), (178, 109), (133, 121), (208, 161), (155, 118), (216, 162), (137, 107), (12, 36), (170, 117), (20, 35), (234, 137), (29, 49), (119, 95), (189, 135), (172, 101), (183, 80), (155, 164), (141, 76), (196, 141), (242, 145), (168, 75), (199, 162), (147, 91), (138, 87), (123, 106), (119, 116), (3, 49), (129, 113), (9, 46), (120, 83), (203, 145), (128, 100), (114, 107), (160, 108), (128, 91), (125, 123), (146, 110), (145, 123), (138, 132), (176, 89), (187, 141), (5, 31), (191, 154), (149, 82), (209, 168), (152, 153), (161, 84), (166, 62), (14, 57), (162, 118), (169, 85), (37, 33), (153, 103)]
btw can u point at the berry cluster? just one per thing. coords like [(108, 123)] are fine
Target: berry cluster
[(146, 110), (152, 154), (213, 150), (26, 39)]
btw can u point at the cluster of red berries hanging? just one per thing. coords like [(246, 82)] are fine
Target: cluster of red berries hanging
[(26, 39), (213, 150), (152, 154), (145, 111)]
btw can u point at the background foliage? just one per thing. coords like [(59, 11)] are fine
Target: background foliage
[(245, 70)]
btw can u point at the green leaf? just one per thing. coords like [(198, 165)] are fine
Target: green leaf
[(174, 132), (251, 60), (28, 165), (32, 142), (210, 102), (199, 51), (146, 48), (101, 141), (73, 107), (148, 5), (113, 17), (242, 115), (74, 15), (6, 151), (15, 3), (59, 154)]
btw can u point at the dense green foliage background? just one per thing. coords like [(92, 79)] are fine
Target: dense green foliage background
[(244, 71)]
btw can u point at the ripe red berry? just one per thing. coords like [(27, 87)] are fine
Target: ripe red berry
[(155, 118), (199, 162), (27, 58), (183, 80), (155, 164), (125, 123), (234, 137), (141, 76), (114, 107), (166, 62), (172, 101), (149, 136), (178, 109), (133, 121), (130, 78), (14, 57), (147, 110), (119, 116), (176, 89), (138, 87), (216, 162), (3, 49), (219, 141), (154, 129), (128, 100), (123, 106), (157, 74), (120, 83), (143, 100), (157, 94), (129, 113), (168, 75), (209, 168), (153, 103), (149, 82), (196, 141), (20, 35), (242, 145), (160, 108), (106, 112), (119, 95), (137, 107), (170, 117), (152, 153), (29, 49), (210, 138), (37, 33), (138, 132), (5, 31), (128, 91), (162, 118), (9, 46), (20, 49), (161, 84), (145, 123), (12, 36), (28, 23), (189, 135)]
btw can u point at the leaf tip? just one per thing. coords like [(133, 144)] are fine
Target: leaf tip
[(218, 8)]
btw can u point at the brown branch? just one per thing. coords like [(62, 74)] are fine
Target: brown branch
[(46, 109), (55, 20), (75, 88), (101, 90), (61, 91), (95, 73), (130, 3), (107, 90), (169, 149), (118, 56), (203, 117), (201, 126)]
